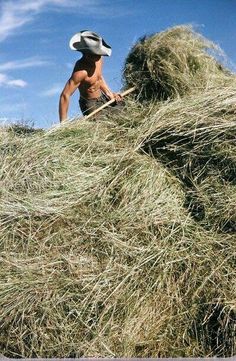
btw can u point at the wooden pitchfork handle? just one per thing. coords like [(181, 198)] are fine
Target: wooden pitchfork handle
[(126, 92)]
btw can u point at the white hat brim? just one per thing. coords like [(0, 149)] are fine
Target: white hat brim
[(75, 39)]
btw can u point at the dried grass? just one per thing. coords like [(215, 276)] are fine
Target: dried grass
[(114, 233), (174, 63)]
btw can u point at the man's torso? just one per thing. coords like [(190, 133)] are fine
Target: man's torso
[(89, 88)]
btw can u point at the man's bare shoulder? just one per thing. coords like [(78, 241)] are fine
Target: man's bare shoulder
[(79, 66), (79, 72)]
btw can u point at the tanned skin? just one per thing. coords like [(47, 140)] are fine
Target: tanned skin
[(87, 78)]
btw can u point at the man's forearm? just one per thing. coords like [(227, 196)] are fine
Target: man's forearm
[(106, 90), (63, 108)]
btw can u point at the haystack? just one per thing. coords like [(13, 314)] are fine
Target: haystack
[(173, 63), (195, 137), (117, 235)]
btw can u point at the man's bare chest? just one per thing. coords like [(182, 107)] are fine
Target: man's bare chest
[(93, 79)]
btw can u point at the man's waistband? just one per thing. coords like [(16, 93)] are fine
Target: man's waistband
[(101, 97)]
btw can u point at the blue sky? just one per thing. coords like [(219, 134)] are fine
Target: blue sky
[(35, 59)]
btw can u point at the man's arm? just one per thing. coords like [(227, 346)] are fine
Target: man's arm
[(106, 90), (72, 84)]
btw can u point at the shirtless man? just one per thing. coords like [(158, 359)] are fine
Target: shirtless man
[(87, 75)]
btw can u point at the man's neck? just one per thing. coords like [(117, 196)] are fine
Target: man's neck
[(91, 58)]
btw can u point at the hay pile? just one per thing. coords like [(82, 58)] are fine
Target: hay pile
[(118, 236), (195, 138), (174, 63)]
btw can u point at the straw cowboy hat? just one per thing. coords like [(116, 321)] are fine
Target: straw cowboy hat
[(89, 42)]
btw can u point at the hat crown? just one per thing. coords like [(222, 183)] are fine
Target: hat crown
[(89, 42)]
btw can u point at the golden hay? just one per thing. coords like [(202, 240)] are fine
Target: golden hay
[(173, 63), (117, 236)]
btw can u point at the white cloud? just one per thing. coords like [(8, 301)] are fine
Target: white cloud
[(22, 64), (19, 83), (15, 14), (15, 83), (56, 89)]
